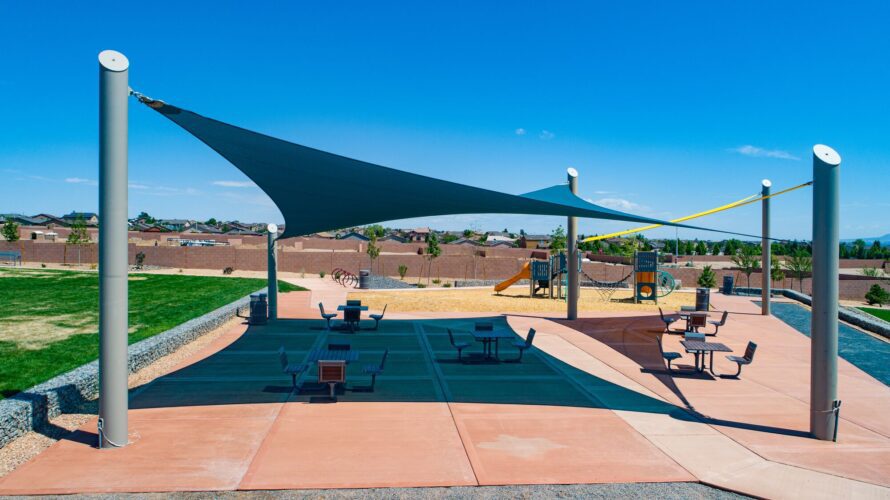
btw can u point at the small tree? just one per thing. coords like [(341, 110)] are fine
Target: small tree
[(872, 272), (747, 261), (799, 263), (776, 273), (78, 235), (373, 249), (11, 231), (403, 270), (432, 251), (877, 296), (140, 260), (708, 278), (557, 240)]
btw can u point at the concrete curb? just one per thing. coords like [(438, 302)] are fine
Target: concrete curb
[(33, 408)]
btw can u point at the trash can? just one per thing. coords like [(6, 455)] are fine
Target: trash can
[(702, 299), (364, 279), (259, 309), (727, 284)]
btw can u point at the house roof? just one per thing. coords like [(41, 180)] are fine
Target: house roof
[(85, 215)]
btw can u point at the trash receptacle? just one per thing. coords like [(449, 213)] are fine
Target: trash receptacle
[(364, 278), (727, 284), (702, 299), (259, 309)]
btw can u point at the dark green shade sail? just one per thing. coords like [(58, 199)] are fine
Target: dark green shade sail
[(318, 191)]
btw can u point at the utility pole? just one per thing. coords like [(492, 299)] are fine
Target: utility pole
[(765, 250), (572, 258), (272, 269)]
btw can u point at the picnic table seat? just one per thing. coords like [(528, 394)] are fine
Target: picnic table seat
[(668, 356), (327, 316), (378, 317), (460, 346), (743, 360), (718, 324), (522, 345), (668, 320), (694, 336), (374, 370), (292, 369)]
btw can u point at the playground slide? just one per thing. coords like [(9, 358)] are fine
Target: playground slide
[(524, 273)]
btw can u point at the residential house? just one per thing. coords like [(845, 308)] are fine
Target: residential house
[(394, 237), (467, 241), (178, 225), (353, 235), (89, 218), (493, 238), (324, 234), (49, 220), (534, 241), (22, 220), (417, 234)]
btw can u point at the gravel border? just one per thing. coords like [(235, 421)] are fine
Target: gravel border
[(678, 491), (849, 314), (33, 408)]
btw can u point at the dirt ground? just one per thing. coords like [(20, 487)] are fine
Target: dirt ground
[(514, 299)]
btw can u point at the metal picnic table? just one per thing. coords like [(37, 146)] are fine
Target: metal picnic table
[(489, 336), (705, 348), (348, 356)]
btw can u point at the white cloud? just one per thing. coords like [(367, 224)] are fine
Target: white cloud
[(547, 135), (749, 150), (520, 131), (137, 186), (80, 180), (602, 192), (619, 204), (234, 184)]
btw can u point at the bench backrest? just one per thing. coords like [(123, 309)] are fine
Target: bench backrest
[(353, 302), (749, 351), (282, 357), (530, 337), (321, 308), (695, 336)]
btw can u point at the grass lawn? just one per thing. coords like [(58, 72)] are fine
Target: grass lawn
[(49, 319), (883, 314)]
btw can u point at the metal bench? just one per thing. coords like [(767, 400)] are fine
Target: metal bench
[(374, 370), (378, 317), (327, 316), (460, 346), (292, 369), (743, 360), (522, 345)]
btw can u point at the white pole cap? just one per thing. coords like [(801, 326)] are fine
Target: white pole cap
[(572, 172), (826, 155), (113, 60), (766, 183)]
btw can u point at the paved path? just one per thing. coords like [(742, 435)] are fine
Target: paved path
[(590, 405)]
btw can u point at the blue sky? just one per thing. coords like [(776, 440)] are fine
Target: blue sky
[(664, 108)]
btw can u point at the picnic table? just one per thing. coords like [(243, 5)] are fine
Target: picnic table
[(487, 337), (333, 355), (353, 308), (705, 348), (354, 319), (687, 315)]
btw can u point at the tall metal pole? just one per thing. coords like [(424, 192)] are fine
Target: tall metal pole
[(766, 263), (113, 262), (272, 268), (823, 354), (572, 257)]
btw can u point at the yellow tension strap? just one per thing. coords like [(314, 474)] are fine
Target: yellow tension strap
[(744, 201)]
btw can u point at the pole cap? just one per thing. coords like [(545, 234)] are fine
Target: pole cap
[(572, 172), (766, 183), (826, 155), (272, 228), (113, 60)]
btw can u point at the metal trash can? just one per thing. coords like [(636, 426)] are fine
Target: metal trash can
[(259, 309), (727, 284), (702, 299), (364, 279)]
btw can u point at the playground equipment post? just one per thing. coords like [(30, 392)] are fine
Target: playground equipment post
[(572, 254), (113, 248), (765, 249), (823, 355)]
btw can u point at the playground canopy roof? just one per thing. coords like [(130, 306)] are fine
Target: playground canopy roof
[(318, 191)]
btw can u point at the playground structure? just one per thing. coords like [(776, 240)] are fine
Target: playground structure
[(550, 273)]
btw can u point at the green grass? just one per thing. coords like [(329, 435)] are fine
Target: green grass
[(883, 314), (68, 299)]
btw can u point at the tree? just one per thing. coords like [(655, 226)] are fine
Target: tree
[(715, 248), (843, 251), (877, 295), (776, 273), (448, 238), (701, 248), (11, 231), (708, 278), (78, 234), (875, 251), (468, 233), (403, 270), (799, 263), (144, 217), (432, 251), (211, 222), (858, 250), (557, 240), (373, 249), (747, 261), (375, 229)]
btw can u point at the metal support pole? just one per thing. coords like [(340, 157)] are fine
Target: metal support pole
[(272, 268), (765, 250), (574, 289), (113, 248), (823, 353)]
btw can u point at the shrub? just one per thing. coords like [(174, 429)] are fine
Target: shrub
[(140, 260), (421, 285), (708, 278), (228, 270), (447, 285), (321, 274), (872, 272), (436, 281), (403, 270), (43, 266), (93, 266), (11, 231), (877, 295)]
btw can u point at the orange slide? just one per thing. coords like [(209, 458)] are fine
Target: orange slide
[(524, 273)]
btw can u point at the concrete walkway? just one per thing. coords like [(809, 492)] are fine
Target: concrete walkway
[(591, 404)]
